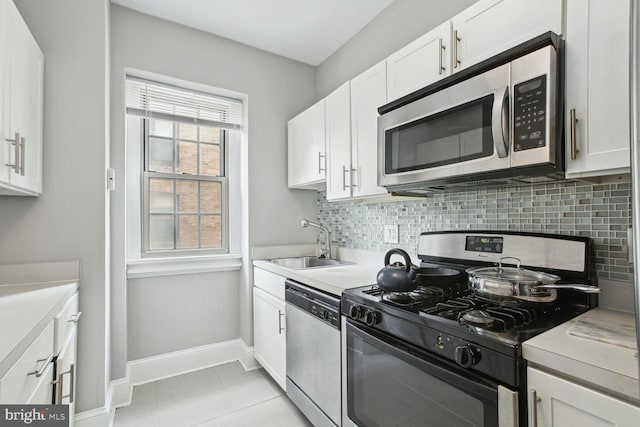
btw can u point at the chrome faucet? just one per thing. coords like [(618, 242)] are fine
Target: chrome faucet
[(306, 223)]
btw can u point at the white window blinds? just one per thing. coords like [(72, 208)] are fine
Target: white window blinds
[(156, 100)]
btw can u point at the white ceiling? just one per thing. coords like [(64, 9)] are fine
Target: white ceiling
[(306, 30)]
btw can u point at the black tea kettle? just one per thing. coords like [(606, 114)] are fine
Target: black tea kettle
[(397, 277)]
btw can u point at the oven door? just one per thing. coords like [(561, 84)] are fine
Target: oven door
[(460, 130), (389, 383)]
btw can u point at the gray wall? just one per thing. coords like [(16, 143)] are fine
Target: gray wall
[(278, 89), (396, 26), (69, 220), (164, 314)]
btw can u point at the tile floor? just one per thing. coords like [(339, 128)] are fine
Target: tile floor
[(225, 395)]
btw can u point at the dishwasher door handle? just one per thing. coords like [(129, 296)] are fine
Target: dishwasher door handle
[(280, 327)]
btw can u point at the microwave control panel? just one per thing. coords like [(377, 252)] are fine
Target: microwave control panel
[(529, 110)]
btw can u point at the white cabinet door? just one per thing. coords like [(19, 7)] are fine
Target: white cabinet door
[(4, 146), (420, 63), (561, 403), (338, 127), (43, 394), (23, 379), (489, 27), (65, 385), (269, 335), (368, 92), (597, 84), (23, 102), (306, 134)]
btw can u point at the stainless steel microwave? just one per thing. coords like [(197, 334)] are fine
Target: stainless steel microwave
[(501, 124)]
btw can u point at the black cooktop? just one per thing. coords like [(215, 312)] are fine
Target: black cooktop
[(456, 310)]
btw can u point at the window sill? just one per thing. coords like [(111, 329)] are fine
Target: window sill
[(174, 266)]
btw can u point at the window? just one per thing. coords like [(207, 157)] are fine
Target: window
[(185, 137)]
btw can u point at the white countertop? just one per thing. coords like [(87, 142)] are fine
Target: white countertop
[(25, 310), (333, 280), (594, 348)]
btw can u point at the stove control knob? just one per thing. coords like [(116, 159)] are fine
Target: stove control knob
[(325, 315), (356, 312), (371, 318), (465, 356)]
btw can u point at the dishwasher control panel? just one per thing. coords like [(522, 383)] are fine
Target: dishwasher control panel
[(316, 303), (325, 313)]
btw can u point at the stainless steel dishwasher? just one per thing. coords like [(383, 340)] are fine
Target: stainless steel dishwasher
[(313, 353)]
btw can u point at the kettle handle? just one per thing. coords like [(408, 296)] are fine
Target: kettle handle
[(403, 254)]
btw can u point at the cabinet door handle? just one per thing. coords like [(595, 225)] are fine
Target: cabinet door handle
[(572, 136), (38, 372), (441, 68), (59, 383), (456, 40), (533, 408), (345, 171), (22, 151), (354, 181), (74, 318), (320, 162), (280, 328), (16, 152)]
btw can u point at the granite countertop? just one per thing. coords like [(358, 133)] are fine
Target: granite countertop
[(596, 348), (333, 280)]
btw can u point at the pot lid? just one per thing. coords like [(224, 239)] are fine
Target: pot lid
[(513, 274)]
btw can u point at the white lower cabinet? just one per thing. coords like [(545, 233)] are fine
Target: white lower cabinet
[(43, 395), (66, 344), (45, 372), (557, 402), (24, 381), (269, 335)]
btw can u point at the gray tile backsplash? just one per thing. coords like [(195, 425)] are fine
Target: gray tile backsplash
[(602, 212)]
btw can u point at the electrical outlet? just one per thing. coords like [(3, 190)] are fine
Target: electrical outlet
[(391, 233)]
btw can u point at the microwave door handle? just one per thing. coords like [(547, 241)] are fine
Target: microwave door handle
[(500, 121)]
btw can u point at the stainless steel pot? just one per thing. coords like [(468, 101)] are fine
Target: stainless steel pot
[(520, 283)]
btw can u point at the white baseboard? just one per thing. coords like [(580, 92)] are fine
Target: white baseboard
[(166, 365)]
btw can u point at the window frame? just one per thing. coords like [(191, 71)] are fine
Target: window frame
[(147, 175)]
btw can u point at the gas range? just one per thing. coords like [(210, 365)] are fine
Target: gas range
[(475, 338)]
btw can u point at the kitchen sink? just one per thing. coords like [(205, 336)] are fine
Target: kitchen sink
[(306, 262)]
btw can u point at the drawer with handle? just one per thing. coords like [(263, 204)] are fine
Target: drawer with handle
[(23, 378), (65, 322)]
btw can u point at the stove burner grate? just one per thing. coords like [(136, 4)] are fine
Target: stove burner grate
[(487, 314), (420, 296)]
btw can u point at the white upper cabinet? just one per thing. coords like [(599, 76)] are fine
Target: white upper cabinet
[(555, 402), (420, 63), (597, 85), (4, 152), (22, 101), (368, 92), (338, 129), (489, 27), (306, 135)]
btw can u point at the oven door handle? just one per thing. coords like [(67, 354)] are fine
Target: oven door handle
[(508, 414), (500, 121)]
